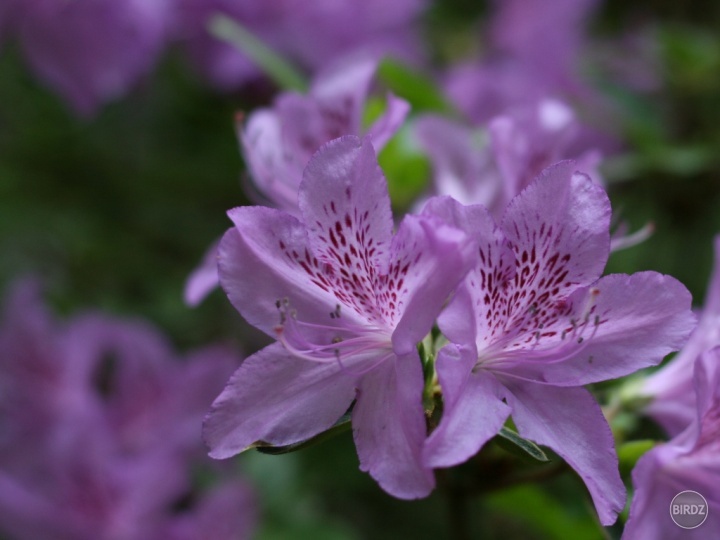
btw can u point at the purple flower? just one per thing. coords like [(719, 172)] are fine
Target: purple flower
[(533, 322), (278, 142), (533, 47), (348, 302), (91, 52), (690, 461), (312, 34), (101, 423), (492, 167), (672, 387)]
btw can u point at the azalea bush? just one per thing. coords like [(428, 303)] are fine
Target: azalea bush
[(342, 270)]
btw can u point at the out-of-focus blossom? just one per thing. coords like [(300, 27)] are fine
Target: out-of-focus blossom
[(91, 51), (533, 49), (100, 429), (673, 405), (690, 461), (348, 302), (278, 142), (533, 322), (312, 34), (492, 166)]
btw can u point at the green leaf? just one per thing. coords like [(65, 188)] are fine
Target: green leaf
[(542, 514), (275, 66), (630, 452), (515, 444), (418, 89), (406, 169), (340, 426)]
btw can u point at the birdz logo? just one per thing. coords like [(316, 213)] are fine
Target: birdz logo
[(688, 509)]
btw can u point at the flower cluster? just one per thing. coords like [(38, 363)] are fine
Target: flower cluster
[(100, 430), (685, 401), (91, 52), (529, 321), (483, 310), (279, 141)]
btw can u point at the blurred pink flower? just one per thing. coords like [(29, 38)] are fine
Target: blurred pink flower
[(690, 461), (672, 387), (101, 424), (311, 34), (91, 51), (533, 50), (278, 142)]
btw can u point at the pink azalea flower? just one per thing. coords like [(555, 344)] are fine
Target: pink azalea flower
[(534, 48), (91, 52), (101, 423), (278, 142), (490, 167), (312, 34), (348, 303), (533, 322), (672, 387), (690, 461)]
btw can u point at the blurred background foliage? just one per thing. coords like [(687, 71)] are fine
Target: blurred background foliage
[(115, 211)]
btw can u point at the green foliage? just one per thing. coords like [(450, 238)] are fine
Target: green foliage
[(277, 68)]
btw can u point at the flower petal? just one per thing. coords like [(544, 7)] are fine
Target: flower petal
[(473, 410), (460, 160), (345, 203), (389, 428), (569, 421), (672, 386), (475, 312), (640, 319), (274, 173), (278, 399), (265, 259), (341, 91), (203, 279), (659, 475), (558, 230), (380, 132), (430, 258)]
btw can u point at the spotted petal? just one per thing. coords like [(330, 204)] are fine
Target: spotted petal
[(343, 87), (265, 259), (558, 229), (636, 321), (475, 312), (345, 204), (430, 259)]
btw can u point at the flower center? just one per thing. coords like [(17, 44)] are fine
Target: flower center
[(550, 340), (357, 348)]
